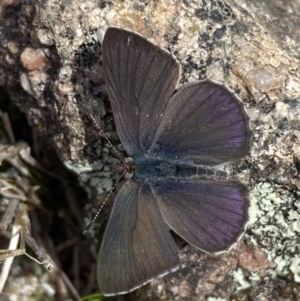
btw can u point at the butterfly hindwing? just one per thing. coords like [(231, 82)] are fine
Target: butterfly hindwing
[(209, 215), (137, 245)]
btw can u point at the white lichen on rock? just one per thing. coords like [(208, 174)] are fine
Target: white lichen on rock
[(274, 226)]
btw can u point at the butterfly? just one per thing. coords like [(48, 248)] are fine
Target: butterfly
[(173, 141)]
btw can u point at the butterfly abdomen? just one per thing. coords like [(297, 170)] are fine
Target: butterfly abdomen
[(155, 168), (184, 170)]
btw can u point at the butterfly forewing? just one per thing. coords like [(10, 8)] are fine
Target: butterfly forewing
[(204, 123), (210, 215), (137, 246), (141, 78)]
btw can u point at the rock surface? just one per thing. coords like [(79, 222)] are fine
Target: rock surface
[(51, 67)]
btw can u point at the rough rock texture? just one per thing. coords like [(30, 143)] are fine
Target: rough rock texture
[(50, 49)]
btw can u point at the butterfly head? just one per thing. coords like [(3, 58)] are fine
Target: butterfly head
[(127, 167)]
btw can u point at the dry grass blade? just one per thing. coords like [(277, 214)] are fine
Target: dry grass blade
[(9, 255), (21, 233), (9, 214)]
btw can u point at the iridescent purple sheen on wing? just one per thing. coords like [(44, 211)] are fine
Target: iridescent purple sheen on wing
[(209, 215), (204, 123)]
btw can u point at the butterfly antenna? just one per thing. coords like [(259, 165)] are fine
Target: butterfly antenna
[(99, 210), (97, 126)]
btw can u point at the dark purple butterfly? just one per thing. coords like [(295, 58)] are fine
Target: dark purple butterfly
[(170, 139)]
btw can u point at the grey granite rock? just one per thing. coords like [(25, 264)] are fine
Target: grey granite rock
[(50, 63)]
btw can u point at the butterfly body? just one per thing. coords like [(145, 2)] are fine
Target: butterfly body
[(147, 168)]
